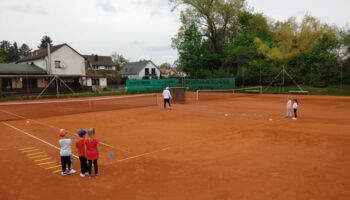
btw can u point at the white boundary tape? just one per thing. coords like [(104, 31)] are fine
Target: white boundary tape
[(77, 100), (55, 127), (32, 136)]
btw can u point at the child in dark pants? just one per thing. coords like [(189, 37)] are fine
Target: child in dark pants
[(92, 152), (295, 108), (80, 144), (65, 153)]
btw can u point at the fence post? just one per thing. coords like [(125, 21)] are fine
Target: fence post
[(0, 86)]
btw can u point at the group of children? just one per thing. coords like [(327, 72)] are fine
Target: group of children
[(292, 106), (87, 150)]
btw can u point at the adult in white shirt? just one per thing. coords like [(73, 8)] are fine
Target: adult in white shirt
[(167, 96), (289, 108), (295, 108)]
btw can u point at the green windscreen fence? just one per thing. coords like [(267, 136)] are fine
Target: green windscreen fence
[(209, 84), (153, 85)]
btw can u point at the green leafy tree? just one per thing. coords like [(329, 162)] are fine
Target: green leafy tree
[(2, 56), (165, 65), (243, 52), (216, 19), (190, 51), (13, 53), (119, 60), (9, 52)]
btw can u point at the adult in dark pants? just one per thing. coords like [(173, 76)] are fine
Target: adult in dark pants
[(295, 108), (167, 96)]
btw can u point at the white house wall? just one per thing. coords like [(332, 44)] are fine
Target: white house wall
[(40, 63), (88, 82), (74, 64), (103, 82), (150, 66)]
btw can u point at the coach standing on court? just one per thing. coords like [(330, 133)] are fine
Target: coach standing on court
[(167, 96)]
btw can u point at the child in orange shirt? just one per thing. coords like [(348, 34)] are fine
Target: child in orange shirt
[(80, 144)]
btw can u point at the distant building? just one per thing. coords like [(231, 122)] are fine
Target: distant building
[(64, 60), (168, 72), (140, 70), (35, 72), (99, 63), (19, 76)]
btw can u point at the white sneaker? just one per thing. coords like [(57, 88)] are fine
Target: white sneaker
[(72, 171), (82, 175), (63, 173)]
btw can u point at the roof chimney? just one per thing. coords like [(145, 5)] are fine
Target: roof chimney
[(96, 57)]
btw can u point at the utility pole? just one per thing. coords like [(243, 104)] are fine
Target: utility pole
[(49, 58), (260, 75), (341, 75), (283, 74), (57, 91)]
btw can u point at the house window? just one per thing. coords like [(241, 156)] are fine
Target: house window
[(147, 71), (153, 71), (95, 81), (57, 64)]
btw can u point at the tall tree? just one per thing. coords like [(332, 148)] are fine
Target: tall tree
[(24, 50), (2, 56), (165, 65), (216, 19), (190, 51), (10, 51), (44, 41), (4, 49), (13, 54)]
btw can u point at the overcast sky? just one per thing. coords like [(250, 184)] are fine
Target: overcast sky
[(137, 29)]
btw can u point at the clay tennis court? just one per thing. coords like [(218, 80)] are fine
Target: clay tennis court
[(195, 151)]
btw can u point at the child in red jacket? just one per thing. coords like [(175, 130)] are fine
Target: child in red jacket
[(92, 152)]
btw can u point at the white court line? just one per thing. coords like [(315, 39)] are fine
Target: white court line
[(78, 100), (55, 127), (32, 136), (144, 154)]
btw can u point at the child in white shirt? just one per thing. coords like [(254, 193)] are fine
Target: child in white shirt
[(289, 108), (65, 152)]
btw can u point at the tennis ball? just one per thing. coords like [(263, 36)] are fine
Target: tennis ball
[(27, 122), (226, 115), (270, 119)]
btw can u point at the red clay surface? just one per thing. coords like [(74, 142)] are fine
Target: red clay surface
[(192, 152)]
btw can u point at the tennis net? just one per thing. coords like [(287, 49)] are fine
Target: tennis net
[(227, 93), (178, 94), (47, 108)]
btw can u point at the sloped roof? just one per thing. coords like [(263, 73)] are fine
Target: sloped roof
[(134, 68), (41, 53), (96, 60), (21, 69)]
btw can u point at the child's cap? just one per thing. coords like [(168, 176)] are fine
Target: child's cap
[(82, 132), (63, 132)]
